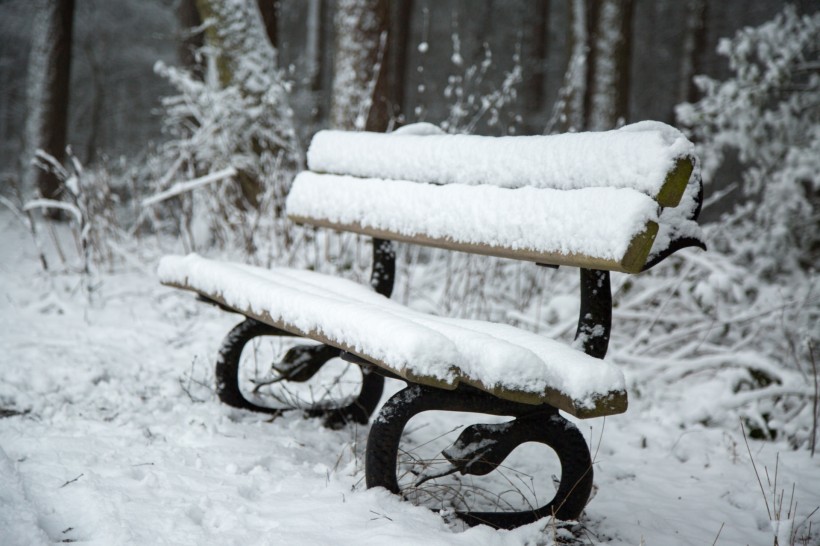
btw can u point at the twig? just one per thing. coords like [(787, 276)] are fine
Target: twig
[(443, 434), (718, 195), (71, 481), (600, 440), (759, 482), (53, 204), (792, 505), (183, 187), (187, 388), (718, 535), (813, 440), (380, 516)]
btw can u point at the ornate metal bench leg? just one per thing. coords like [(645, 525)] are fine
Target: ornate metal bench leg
[(576, 472), (532, 424), (385, 432), (227, 363), (300, 364)]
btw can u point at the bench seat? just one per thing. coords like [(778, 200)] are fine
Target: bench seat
[(508, 362)]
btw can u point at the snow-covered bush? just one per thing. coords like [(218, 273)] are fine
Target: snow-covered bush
[(90, 205), (761, 287), (768, 112), (240, 118)]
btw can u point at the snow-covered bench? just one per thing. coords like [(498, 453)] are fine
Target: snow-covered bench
[(619, 200)]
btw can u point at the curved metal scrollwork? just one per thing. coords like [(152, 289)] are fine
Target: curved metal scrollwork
[(299, 364), (680, 243), (483, 447)]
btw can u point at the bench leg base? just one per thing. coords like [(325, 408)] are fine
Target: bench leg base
[(482, 448), (227, 378)]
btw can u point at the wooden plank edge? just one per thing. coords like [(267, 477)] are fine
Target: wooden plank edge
[(550, 258), (675, 182), (611, 403), (639, 248)]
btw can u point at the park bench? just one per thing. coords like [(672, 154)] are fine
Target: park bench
[(620, 200)]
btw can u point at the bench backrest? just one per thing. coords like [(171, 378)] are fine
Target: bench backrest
[(592, 200)]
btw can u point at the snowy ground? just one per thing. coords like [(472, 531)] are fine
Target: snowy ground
[(119, 444)]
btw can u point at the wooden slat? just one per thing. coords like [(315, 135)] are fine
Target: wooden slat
[(632, 262), (675, 183), (607, 404)]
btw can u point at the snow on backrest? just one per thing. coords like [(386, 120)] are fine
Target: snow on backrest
[(640, 156)]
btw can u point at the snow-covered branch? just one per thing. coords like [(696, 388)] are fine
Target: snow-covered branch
[(182, 187)]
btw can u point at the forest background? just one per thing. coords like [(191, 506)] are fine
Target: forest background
[(114, 93), (187, 121)]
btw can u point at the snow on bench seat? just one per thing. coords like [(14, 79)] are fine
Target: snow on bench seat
[(650, 157), (602, 228), (506, 361)]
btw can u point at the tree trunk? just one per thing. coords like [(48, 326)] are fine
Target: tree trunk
[(540, 31), (574, 88), (314, 53), (359, 98), (246, 60), (400, 16), (269, 9), (97, 103), (190, 42), (47, 101), (223, 43), (611, 44), (694, 47)]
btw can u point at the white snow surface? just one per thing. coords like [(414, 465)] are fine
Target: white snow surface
[(18, 521), (636, 156), (122, 445), (597, 222), (428, 346)]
